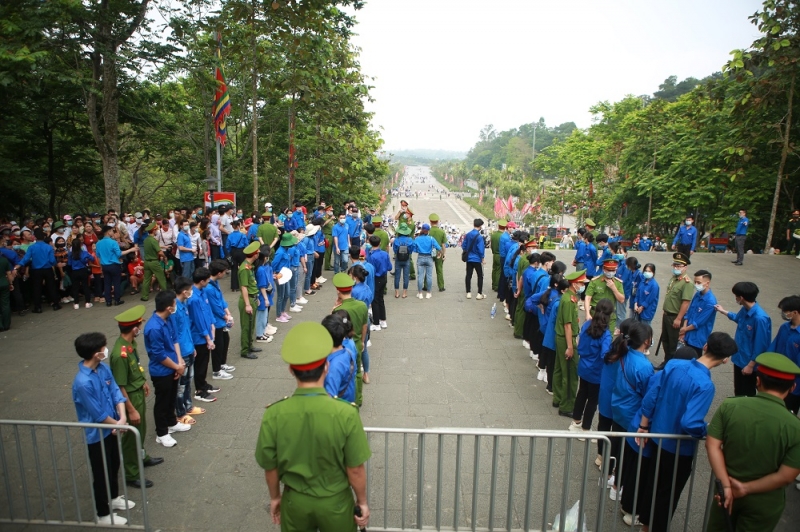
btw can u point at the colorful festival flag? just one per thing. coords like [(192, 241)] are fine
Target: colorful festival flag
[(222, 103)]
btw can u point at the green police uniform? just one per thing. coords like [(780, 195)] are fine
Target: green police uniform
[(590, 223), (408, 220), (758, 435), (310, 452), (357, 310), (565, 372), (327, 230), (380, 233), (438, 234), (266, 231), (152, 265), (597, 289), (497, 266), (129, 375), (247, 278), (679, 289)]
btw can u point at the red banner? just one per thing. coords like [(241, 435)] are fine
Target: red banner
[(220, 198)]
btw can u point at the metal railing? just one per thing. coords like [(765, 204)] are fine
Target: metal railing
[(47, 477), (518, 480)]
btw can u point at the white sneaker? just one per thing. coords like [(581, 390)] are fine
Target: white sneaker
[(228, 367), (384, 324), (534, 356), (88, 305), (374, 327), (575, 427), (613, 494), (629, 519), (526, 344), (166, 441), (480, 296), (270, 330), (121, 503), (296, 308), (369, 343), (508, 317), (599, 462), (76, 306), (179, 427), (321, 280), (106, 520), (419, 296), (542, 375), (428, 295), (302, 301), (610, 482), (469, 295), (221, 375), (544, 378)]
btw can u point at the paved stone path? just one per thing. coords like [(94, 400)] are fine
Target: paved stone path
[(441, 363)]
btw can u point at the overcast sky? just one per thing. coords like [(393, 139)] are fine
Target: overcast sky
[(446, 68)]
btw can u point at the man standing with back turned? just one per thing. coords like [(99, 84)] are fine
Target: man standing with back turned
[(321, 464)]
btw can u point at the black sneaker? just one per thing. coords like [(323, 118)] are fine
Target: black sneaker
[(205, 397), (211, 389)]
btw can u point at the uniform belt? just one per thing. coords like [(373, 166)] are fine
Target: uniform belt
[(424, 254)]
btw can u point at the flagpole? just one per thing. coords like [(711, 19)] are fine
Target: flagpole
[(219, 166)]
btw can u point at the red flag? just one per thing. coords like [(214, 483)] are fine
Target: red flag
[(510, 203), (480, 198), (500, 208), (222, 103)]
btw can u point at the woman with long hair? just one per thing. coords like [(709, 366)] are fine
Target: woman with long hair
[(594, 342), (79, 261)]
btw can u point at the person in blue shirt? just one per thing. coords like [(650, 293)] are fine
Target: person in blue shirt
[(181, 329), (340, 379), (319, 252), (97, 399), (281, 260), (425, 244), (165, 367), (645, 244), (604, 249), (699, 319), (252, 229), (686, 238), (382, 264), (299, 218), (589, 255), (234, 248), (297, 263), (359, 256), (630, 387), (753, 333), (740, 236), (403, 246), (341, 244), (310, 245), (645, 299), (78, 261), (354, 227), (787, 343), (41, 257), (265, 282), (476, 250), (503, 245), (594, 342), (677, 401), (362, 292), (110, 257), (223, 319), (203, 331), (185, 251), (549, 300), (533, 280)]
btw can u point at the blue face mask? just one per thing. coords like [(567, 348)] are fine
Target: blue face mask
[(69, 223), (647, 275), (619, 257), (675, 271)]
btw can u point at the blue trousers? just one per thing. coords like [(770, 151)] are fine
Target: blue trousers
[(424, 271)]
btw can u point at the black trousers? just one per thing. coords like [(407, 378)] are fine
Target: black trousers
[(686, 249), (378, 303), (99, 470), (46, 276), (586, 403), (792, 403), (743, 384), (112, 276), (317, 271), (605, 424), (476, 267), (502, 286), (80, 283), (530, 329), (166, 391), (547, 360), (628, 482), (17, 296), (219, 355), (237, 254), (661, 487), (215, 254), (201, 366)]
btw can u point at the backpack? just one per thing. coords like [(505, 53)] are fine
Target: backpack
[(465, 252), (402, 253)]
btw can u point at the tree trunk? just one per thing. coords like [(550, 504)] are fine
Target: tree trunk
[(51, 178), (782, 166)]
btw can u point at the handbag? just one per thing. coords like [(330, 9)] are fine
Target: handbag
[(465, 252)]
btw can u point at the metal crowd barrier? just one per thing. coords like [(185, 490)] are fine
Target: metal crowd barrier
[(417, 479), (47, 479)]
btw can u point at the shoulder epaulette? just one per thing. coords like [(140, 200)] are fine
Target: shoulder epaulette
[(276, 402), (345, 401)]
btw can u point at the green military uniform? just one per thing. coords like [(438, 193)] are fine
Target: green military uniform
[(679, 289), (357, 310), (266, 231), (565, 372), (310, 452), (519, 312), (327, 230), (407, 219), (497, 265), (758, 435), (380, 233), (129, 375), (589, 223), (793, 227), (438, 234), (597, 289), (152, 264), (247, 278)]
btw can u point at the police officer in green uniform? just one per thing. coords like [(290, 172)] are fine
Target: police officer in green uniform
[(590, 227), (497, 265), (605, 286), (380, 233), (267, 233), (247, 301), (359, 315), (314, 444), (753, 446), (129, 375), (152, 264), (327, 230), (565, 368), (792, 229), (680, 292), (438, 234)]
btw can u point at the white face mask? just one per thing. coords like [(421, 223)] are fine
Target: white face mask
[(105, 353), (699, 287), (173, 310)]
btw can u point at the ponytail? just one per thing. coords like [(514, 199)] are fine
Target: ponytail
[(632, 334), (601, 318), (558, 282)]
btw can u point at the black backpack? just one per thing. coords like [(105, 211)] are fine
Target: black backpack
[(402, 253)]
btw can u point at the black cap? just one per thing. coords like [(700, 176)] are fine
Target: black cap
[(681, 258), (478, 222)]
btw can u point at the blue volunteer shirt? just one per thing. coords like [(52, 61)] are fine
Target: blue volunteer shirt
[(299, 219), (530, 280), (341, 378), (160, 345), (608, 377), (630, 386), (319, 242), (340, 237), (404, 240), (363, 293), (645, 244), (753, 333), (580, 251), (505, 242), (182, 328), (264, 280), (425, 244), (370, 280), (380, 261), (83, 261), (184, 240), (741, 226), (217, 302), (787, 343), (647, 296), (473, 242), (702, 315), (589, 260), (9, 254), (354, 226), (96, 396), (40, 255), (677, 402), (235, 240), (687, 235), (201, 316), (281, 260), (592, 351)]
